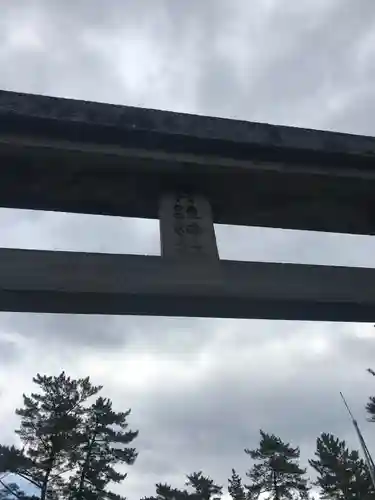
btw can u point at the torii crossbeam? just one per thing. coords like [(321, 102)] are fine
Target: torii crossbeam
[(189, 172)]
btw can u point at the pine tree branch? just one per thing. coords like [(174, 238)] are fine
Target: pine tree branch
[(40, 437), (59, 474), (9, 490), (27, 478)]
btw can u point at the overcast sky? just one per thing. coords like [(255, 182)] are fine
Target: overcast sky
[(199, 390)]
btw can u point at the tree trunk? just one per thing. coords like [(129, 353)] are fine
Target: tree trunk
[(43, 491), (83, 474), (84, 468), (276, 487)]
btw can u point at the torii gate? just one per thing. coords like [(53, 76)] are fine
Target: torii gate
[(188, 171)]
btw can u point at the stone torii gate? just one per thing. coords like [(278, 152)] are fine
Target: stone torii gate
[(189, 172)]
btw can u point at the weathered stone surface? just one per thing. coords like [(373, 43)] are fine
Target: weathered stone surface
[(277, 140), (186, 228), (74, 156), (80, 283)]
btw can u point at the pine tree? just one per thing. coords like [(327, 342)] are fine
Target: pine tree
[(235, 487), (166, 492), (68, 445), (370, 407), (278, 473), (342, 474), (101, 440), (204, 487), (48, 421), (201, 488)]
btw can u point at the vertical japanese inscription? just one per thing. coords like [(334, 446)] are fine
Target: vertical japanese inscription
[(186, 227)]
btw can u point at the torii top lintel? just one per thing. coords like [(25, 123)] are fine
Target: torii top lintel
[(85, 157)]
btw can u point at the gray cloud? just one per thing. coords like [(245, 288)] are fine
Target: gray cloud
[(242, 393), (199, 389)]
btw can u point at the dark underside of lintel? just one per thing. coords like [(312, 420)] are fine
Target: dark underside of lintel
[(74, 156)]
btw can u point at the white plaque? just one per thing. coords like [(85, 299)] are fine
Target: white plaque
[(186, 228)]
